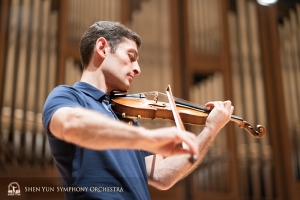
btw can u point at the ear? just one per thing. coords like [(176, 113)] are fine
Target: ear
[(101, 47)]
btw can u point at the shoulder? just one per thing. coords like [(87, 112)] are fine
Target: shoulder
[(64, 94), (64, 90)]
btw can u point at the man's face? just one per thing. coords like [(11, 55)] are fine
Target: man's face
[(120, 67)]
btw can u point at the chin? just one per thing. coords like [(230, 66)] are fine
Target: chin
[(125, 88), (127, 85)]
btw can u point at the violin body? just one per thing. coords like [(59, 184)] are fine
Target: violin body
[(138, 106)]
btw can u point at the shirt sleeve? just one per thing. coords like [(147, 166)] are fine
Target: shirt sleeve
[(61, 96)]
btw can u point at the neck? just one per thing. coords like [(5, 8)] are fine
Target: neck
[(94, 78)]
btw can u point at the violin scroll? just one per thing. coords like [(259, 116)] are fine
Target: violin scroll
[(258, 132)]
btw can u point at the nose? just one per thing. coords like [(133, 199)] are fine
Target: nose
[(136, 69)]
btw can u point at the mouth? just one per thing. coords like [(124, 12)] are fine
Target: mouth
[(131, 78)]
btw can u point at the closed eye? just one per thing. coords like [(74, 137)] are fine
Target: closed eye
[(133, 54), (131, 57)]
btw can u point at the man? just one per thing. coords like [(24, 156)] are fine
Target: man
[(106, 158)]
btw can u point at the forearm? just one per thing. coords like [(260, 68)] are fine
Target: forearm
[(170, 170), (93, 130)]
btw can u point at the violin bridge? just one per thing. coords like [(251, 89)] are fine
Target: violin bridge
[(155, 97)]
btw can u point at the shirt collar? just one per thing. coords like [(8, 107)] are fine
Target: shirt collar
[(89, 90)]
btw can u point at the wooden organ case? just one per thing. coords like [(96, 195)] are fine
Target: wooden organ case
[(206, 49)]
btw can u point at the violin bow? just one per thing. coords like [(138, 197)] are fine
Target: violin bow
[(177, 118)]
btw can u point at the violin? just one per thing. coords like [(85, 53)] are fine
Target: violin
[(140, 106)]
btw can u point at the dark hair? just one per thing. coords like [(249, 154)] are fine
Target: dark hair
[(113, 32)]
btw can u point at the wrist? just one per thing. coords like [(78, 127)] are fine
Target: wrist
[(211, 130)]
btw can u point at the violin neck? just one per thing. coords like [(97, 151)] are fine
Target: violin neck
[(188, 104)]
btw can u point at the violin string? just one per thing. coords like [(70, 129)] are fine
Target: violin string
[(190, 105)]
